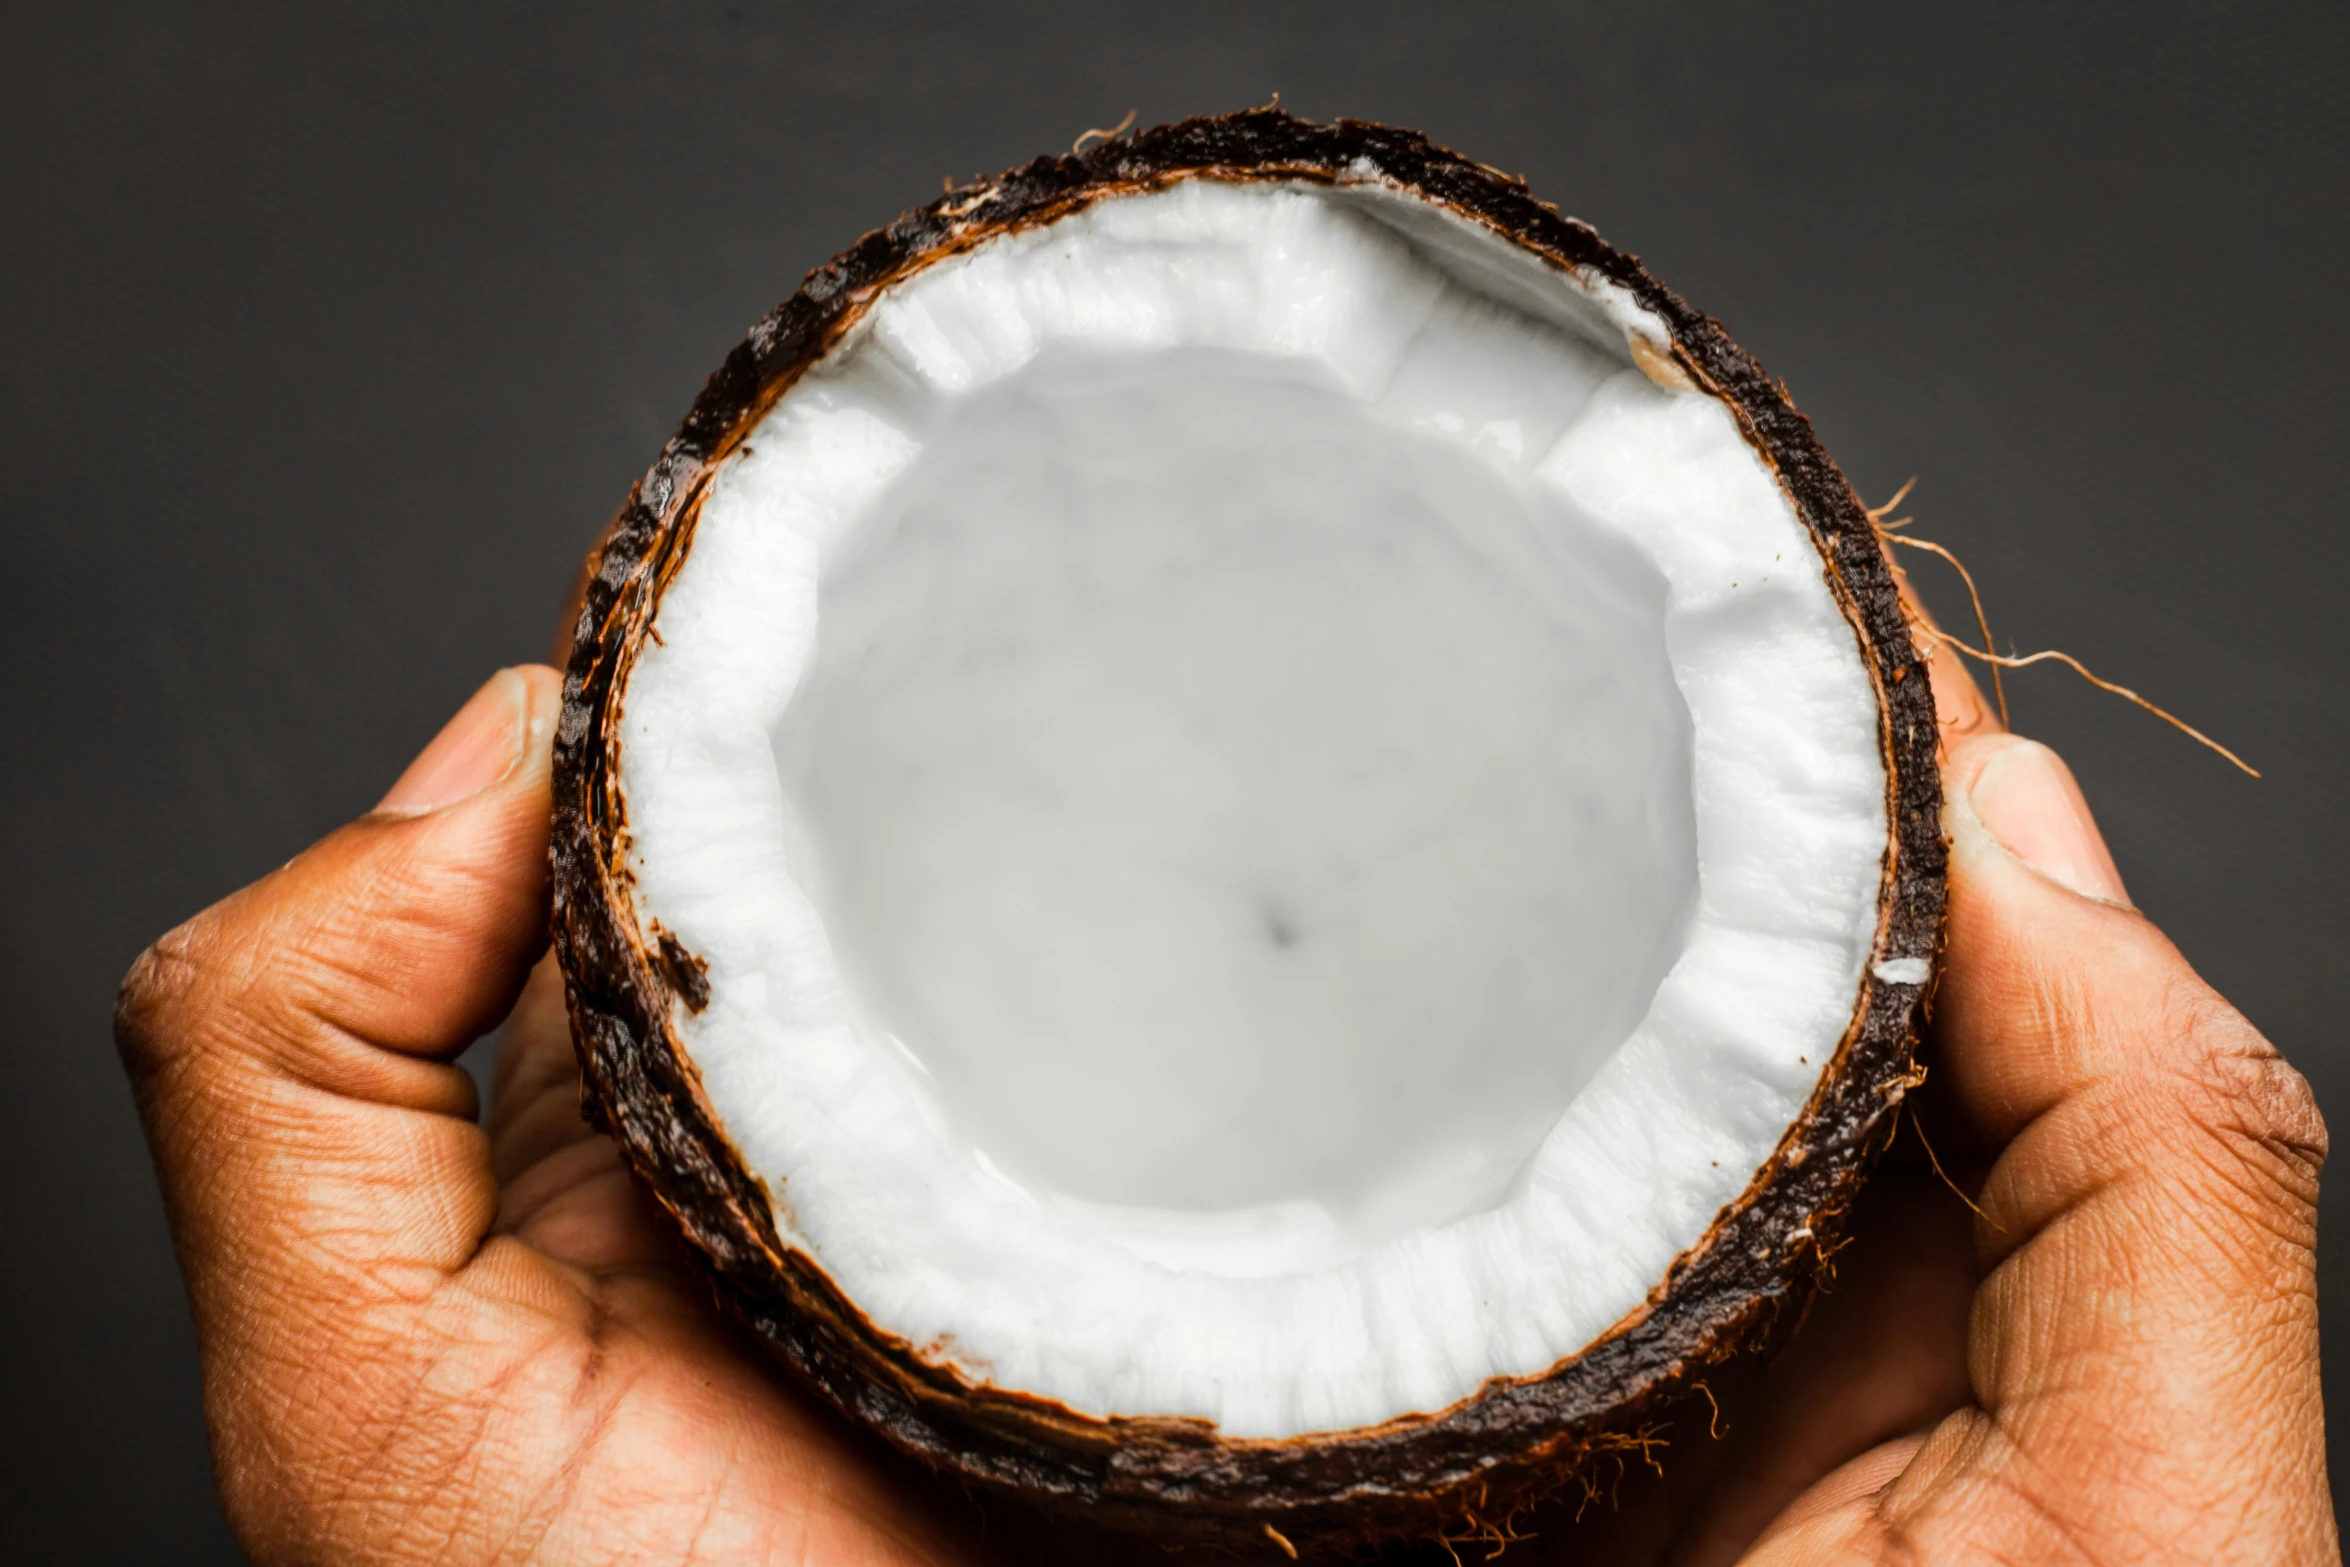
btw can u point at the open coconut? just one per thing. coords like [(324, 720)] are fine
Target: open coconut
[(1248, 836)]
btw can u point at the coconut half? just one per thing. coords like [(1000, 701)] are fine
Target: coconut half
[(1248, 836)]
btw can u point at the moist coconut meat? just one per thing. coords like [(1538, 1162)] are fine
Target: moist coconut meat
[(1259, 819), (1636, 629)]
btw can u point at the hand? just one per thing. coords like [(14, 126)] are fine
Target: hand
[(2116, 1358), (424, 1343)]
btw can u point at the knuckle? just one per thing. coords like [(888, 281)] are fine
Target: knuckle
[(161, 993), (2269, 1104), (219, 980), (2251, 1099)]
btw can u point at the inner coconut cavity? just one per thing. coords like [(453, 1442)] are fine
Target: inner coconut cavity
[(1275, 828)]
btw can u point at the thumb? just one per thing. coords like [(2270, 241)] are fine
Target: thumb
[(2144, 1347), (290, 1046)]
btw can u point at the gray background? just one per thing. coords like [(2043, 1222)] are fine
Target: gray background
[(332, 334)]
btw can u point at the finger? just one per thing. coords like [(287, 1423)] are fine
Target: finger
[(1881, 1352), (2054, 987), (290, 1047), (1837, 1520), (534, 1093), (2143, 1350), (562, 1186)]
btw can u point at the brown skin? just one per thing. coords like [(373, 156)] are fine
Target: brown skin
[(426, 1341)]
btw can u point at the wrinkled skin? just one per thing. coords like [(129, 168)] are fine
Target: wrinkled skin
[(430, 1341)]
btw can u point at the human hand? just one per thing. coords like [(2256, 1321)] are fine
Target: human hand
[(424, 1343), (2117, 1361)]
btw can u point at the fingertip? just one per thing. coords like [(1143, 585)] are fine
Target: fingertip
[(2018, 797), (2050, 979), (505, 729), (447, 879), (542, 709), (544, 685)]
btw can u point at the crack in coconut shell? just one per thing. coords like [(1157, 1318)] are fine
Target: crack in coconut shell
[(1743, 1285)]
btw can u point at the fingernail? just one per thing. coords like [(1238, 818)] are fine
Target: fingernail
[(472, 751), (2027, 797)]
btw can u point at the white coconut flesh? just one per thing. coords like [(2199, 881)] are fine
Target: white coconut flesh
[(1276, 828)]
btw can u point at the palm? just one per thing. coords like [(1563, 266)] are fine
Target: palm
[(615, 1401)]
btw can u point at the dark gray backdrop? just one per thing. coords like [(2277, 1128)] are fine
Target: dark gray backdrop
[(332, 334)]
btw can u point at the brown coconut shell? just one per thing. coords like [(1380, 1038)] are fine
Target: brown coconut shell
[(1421, 1473)]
